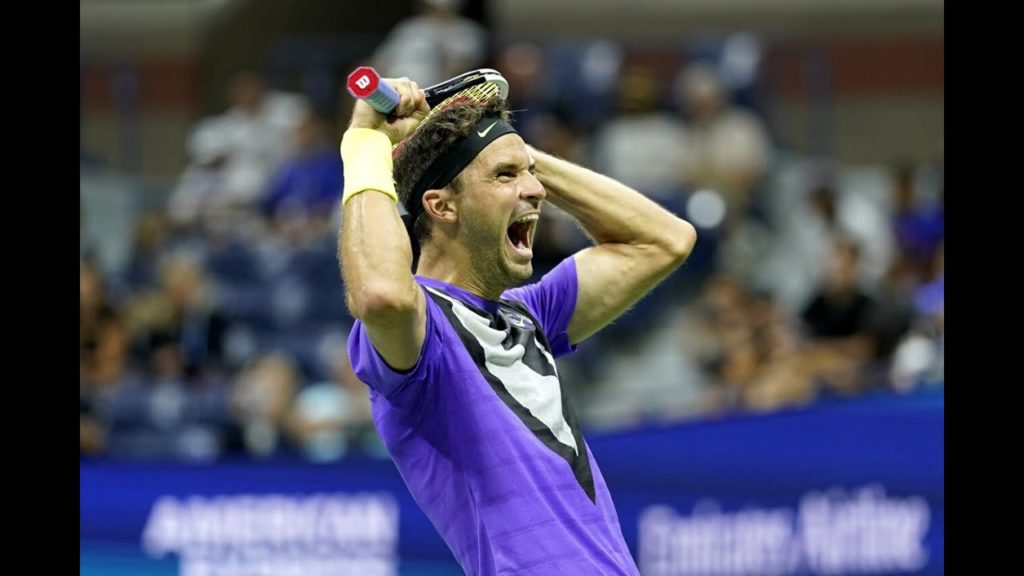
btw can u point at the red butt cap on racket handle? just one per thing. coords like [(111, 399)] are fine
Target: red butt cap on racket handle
[(366, 84)]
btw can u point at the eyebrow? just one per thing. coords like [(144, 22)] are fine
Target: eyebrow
[(511, 166)]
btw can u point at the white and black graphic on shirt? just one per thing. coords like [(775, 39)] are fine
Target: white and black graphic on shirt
[(515, 358)]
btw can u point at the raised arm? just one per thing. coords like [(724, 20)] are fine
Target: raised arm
[(638, 243), (374, 249)]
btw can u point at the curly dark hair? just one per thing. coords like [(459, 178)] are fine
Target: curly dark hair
[(432, 140)]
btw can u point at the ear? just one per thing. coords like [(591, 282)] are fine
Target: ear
[(439, 204)]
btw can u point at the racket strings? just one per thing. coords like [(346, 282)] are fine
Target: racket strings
[(479, 93)]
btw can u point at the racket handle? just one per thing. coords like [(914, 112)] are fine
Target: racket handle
[(366, 84)]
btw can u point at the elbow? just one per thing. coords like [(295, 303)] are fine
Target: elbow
[(680, 240), (376, 304)]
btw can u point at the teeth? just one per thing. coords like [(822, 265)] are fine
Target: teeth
[(527, 218)]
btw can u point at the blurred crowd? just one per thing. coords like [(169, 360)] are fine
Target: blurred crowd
[(224, 332)]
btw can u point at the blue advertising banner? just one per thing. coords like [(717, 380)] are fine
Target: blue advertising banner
[(851, 487)]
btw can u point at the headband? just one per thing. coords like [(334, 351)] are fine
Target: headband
[(449, 165)]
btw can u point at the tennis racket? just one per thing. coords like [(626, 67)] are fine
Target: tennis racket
[(480, 85), (476, 85)]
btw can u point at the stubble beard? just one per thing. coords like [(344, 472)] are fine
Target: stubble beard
[(489, 259)]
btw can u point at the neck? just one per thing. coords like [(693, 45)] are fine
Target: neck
[(452, 264)]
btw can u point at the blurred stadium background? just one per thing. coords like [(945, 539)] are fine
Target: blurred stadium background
[(776, 407)]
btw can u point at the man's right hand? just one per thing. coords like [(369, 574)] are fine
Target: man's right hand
[(411, 110)]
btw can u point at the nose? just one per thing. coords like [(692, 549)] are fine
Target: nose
[(532, 190)]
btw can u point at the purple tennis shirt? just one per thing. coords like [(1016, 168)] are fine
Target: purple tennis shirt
[(482, 432)]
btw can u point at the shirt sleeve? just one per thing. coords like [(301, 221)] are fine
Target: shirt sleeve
[(552, 302), (398, 387)]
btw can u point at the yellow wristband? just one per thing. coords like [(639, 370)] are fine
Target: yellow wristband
[(366, 156)]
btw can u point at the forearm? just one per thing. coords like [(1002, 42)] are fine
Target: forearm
[(376, 254), (639, 243), (610, 211)]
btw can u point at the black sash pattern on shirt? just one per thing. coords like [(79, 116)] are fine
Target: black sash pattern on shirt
[(490, 339)]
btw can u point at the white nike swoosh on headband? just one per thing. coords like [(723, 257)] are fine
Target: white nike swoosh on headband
[(488, 129)]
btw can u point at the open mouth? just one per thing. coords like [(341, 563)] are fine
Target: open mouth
[(520, 234)]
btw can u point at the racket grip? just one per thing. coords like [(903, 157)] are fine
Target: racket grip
[(366, 84)]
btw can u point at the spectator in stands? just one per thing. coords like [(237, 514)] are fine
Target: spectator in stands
[(149, 241), (103, 338), (200, 189), (92, 431), (720, 338), (165, 413), (331, 417), (838, 323), (234, 155), (103, 357), (756, 351), (307, 187), (919, 357), (840, 307), (728, 148), (891, 316), (749, 347), (810, 207), (918, 225), (523, 64), (261, 397), (783, 378), (433, 45), (642, 146), (183, 310)]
